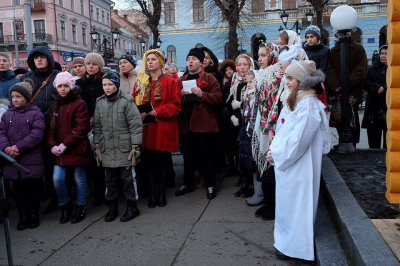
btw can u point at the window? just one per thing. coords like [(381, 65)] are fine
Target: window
[(82, 8), (74, 33), (16, 2), (97, 14), (39, 26), (108, 18), (289, 4), (61, 2), (171, 54), (91, 11), (63, 35), (103, 19), (198, 10), (72, 5), (257, 6), (1, 30), (84, 36), (169, 12)]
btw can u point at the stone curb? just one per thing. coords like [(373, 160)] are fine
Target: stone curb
[(361, 241)]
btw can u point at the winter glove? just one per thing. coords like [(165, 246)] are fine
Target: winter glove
[(97, 155), (235, 120), (236, 104), (56, 151), (61, 148), (134, 154)]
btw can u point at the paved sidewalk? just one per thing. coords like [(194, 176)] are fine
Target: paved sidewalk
[(190, 230)]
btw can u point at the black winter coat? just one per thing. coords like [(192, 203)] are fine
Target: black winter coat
[(319, 54), (91, 88), (45, 98), (375, 106)]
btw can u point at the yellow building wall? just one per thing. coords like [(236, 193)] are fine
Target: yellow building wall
[(393, 103)]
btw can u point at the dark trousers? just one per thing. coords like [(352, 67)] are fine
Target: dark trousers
[(154, 165), (95, 175), (355, 129), (127, 176), (199, 153), (375, 137), (27, 195)]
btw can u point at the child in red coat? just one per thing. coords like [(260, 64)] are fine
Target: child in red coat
[(67, 138)]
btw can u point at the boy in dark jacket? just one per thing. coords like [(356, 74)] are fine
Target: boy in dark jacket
[(21, 134)]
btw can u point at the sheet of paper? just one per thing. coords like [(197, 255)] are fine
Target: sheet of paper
[(188, 85)]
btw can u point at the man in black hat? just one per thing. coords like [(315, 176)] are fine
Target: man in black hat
[(198, 124)]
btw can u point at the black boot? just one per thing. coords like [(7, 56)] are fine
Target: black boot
[(66, 211), (34, 206), (131, 211), (79, 214), (33, 220), (23, 221), (112, 211), (162, 198), (153, 197), (242, 184)]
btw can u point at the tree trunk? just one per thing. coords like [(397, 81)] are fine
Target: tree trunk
[(233, 46)]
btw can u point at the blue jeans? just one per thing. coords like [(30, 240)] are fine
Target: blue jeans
[(61, 188)]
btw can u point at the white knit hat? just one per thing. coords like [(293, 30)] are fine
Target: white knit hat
[(301, 69)]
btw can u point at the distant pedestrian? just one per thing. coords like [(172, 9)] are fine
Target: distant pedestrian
[(92, 88), (78, 66), (127, 73), (117, 136), (43, 72), (65, 67), (7, 76), (21, 132), (227, 67), (375, 108), (67, 138), (198, 124), (302, 136), (357, 67), (315, 49), (173, 68)]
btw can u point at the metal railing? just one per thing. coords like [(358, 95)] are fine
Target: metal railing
[(21, 38)]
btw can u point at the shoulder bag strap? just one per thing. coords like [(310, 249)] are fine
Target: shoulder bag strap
[(44, 83)]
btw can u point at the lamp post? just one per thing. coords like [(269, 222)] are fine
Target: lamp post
[(296, 26), (343, 19), (285, 17), (143, 44), (105, 43)]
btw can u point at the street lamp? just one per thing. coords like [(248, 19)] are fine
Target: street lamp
[(343, 19), (309, 16), (285, 17), (96, 39), (281, 28), (159, 42), (143, 44)]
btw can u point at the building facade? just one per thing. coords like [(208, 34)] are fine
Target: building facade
[(65, 26), (186, 24)]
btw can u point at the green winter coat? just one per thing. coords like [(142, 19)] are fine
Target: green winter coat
[(117, 126)]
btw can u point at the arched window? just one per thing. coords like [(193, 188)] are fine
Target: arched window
[(199, 45), (356, 35), (226, 47), (171, 54)]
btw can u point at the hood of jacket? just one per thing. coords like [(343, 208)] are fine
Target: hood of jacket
[(25, 108), (41, 50)]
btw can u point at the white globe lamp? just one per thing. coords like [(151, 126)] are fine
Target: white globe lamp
[(343, 18)]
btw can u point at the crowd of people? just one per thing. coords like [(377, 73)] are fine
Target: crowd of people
[(113, 133)]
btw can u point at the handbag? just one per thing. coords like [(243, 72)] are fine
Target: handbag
[(336, 111)]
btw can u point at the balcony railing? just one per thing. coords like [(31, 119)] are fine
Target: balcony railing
[(38, 5), (6, 40)]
